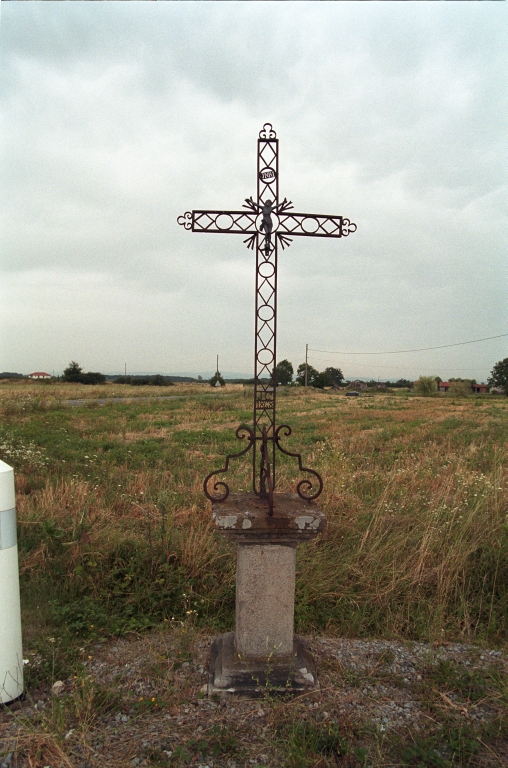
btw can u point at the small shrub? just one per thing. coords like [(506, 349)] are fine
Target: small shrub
[(425, 386), (460, 389)]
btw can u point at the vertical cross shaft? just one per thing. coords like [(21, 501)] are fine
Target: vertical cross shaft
[(265, 335)]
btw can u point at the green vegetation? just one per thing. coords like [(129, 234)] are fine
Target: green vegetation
[(116, 541), (284, 373), (330, 377), (460, 388), (216, 379), (425, 386), (74, 373), (499, 375), (145, 381), (113, 521)]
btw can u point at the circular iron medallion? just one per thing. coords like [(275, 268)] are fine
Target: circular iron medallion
[(267, 175)]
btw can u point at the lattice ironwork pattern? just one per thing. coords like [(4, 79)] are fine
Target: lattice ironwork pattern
[(267, 223)]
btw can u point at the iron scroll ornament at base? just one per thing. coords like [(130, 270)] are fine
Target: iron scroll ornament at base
[(265, 474), (242, 432), (266, 223)]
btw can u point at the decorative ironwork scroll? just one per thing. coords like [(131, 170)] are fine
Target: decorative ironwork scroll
[(242, 432), (268, 224)]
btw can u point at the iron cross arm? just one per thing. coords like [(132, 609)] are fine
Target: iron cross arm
[(285, 225)]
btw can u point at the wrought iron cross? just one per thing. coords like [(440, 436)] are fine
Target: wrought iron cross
[(267, 223)]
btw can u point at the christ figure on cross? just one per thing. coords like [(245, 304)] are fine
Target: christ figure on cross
[(267, 223)]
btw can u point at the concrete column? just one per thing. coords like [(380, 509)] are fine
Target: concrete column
[(265, 600), (11, 653)]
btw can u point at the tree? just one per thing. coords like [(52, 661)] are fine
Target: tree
[(328, 378), (499, 375), (321, 381), (92, 377), (312, 374), (216, 378), (426, 386), (335, 377), (73, 372), (284, 373)]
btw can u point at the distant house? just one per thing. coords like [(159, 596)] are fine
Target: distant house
[(39, 375), (357, 384), (444, 386)]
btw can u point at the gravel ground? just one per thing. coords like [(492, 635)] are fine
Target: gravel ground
[(141, 702)]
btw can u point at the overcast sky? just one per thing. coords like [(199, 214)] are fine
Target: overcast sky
[(120, 116)]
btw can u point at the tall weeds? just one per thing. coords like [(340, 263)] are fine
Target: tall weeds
[(115, 534)]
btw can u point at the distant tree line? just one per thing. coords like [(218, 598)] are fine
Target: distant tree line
[(143, 381), (330, 377), (75, 373), (399, 384), (284, 372), (319, 379)]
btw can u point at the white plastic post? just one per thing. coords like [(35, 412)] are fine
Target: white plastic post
[(11, 653)]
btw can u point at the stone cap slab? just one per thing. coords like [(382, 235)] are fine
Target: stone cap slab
[(243, 518)]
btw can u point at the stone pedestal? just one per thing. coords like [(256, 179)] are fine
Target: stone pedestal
[(263, 655)]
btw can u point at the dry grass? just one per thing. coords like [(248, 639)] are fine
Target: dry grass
[(116, 539), (18, 390), (415, 494)]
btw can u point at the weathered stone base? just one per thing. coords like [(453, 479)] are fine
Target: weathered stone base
[(280, 676)]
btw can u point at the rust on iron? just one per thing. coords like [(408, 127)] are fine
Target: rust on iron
[(267, 223)]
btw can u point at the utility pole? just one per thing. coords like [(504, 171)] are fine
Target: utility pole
[(125, 369), (217, 365), (306, 357)]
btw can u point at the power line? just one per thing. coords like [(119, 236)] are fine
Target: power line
[(403, 351), (388, 366)]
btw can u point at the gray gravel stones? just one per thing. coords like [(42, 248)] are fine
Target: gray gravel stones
[(380, 679), (380, 684)]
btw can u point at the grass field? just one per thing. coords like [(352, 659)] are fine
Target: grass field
[(115, 534)]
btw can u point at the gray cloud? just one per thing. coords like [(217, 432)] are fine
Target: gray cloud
[(118, 117)]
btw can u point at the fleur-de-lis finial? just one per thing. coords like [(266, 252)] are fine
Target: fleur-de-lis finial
[(267, 132), (185, 221)]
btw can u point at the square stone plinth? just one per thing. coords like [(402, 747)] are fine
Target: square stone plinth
[(243, 518), (263, 655), (233, 673)]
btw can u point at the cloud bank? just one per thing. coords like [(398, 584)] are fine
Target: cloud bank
[(118, 117)]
